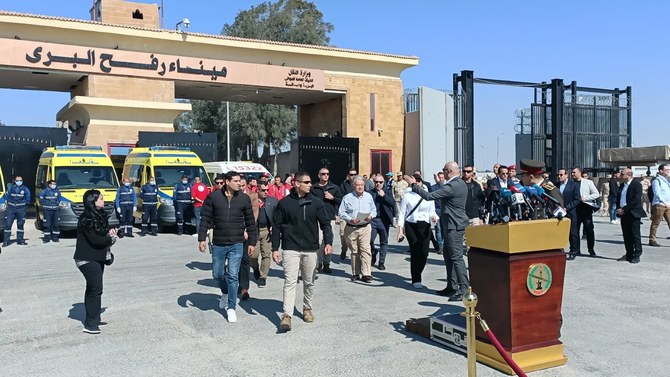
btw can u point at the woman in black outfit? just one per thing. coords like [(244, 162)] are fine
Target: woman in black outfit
[(92, 252)]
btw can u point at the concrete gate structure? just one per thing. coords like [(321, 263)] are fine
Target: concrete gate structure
[(124, 73)]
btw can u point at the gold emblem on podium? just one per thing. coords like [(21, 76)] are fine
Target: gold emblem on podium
[(539, 279)]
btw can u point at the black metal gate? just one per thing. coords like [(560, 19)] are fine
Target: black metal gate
[(566, 130), (338, 154), (20, 150)]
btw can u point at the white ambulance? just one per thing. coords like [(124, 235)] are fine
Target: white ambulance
[(246, 168)]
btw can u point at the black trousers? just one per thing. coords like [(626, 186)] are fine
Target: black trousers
[(630, 226), (585, 217), (92, 272), (149, 217), (418, 237)]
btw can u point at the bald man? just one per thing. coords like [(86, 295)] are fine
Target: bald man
[(453, 219)]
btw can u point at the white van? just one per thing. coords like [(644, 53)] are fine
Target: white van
[(246, 168)]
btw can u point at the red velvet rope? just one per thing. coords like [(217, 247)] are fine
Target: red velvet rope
[(504, 354)]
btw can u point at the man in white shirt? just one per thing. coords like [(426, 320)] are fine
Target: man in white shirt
[(357, 231), (589, 193)]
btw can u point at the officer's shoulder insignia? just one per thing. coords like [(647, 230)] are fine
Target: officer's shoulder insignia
[(548, 185)]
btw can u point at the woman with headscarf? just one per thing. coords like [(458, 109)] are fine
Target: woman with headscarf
[(92, 253)]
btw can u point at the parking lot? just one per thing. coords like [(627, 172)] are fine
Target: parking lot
[(162, 307)]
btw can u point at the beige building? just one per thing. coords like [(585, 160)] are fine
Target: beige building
[(123, 73)]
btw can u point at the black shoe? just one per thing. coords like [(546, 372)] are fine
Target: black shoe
[(439, 251), (381, 266), (142, 234), (45, 241), (130, 235), (366, 279), (102, 323), (22, 242), (374, 260), (326, 268), (592, 253), (262, 282), (154, 234), (5, 244), (119, 235), (635, 260), (654, 243), (436, 246), (572, 256), (244, 294), (257, 274), (623, 259), (179, 233), (456, 297), (91, 330), (56, 241), (355, 277), (446, 292), (319, 267)]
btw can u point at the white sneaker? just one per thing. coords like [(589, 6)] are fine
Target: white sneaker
[(223, 302), (194, 235), (418, 285), (232, 317)]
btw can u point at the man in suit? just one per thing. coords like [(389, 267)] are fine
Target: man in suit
[(454, 219), (497, 183), (629, 209), (612, 198), (385, 205), (571, 199)]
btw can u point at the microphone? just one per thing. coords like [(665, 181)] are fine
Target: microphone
[(518, 200)]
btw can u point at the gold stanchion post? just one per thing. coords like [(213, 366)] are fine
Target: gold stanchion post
[(470, 302)]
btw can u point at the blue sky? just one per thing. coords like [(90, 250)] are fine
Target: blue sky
[(598, 44)]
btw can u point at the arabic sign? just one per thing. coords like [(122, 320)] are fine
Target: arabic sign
[(51, 56)]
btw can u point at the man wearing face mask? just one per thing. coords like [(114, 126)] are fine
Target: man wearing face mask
[(17, 197), (181, 197), (126, 204), (49, 199), (149, 196)]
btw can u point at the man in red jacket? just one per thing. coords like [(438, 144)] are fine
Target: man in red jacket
[(277, 189), (199, 192)]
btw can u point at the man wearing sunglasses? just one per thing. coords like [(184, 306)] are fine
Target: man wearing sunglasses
[(385, 206), (297, 220), (330, 194)]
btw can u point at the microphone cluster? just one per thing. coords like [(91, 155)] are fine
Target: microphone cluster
[(521, 203)]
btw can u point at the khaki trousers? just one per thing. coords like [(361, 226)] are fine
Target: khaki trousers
[(262, 250), (294, 261), (343, 239), (658, 213), (358, 241)]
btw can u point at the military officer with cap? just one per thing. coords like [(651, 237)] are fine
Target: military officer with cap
[(531, 174), (49, 201)]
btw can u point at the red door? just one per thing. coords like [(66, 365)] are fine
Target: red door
[(380, 161)]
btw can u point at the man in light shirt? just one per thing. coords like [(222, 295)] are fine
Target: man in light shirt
[(588, 194), (357, 231), (660, 205), (629, 209)]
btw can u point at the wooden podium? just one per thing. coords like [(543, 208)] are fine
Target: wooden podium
[(517, 271)]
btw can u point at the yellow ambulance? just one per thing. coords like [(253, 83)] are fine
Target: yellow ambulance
[(167, 164), (75, 169)]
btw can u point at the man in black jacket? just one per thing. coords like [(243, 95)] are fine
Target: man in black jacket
[(228, 212), (629, 208), (297, 220), (612, 197), (385, 205), (332, 197)]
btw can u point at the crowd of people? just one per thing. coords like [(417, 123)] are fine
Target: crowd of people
[(247, 224)]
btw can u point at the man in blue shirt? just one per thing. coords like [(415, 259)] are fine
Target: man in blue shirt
[(660, 204), (49, 201), (16, 197)]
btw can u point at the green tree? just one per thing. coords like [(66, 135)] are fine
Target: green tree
[(252, 125)]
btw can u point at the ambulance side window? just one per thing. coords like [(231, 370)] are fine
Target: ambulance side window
[(135, 175), (41, 181)]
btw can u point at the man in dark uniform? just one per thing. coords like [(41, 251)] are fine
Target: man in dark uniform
[(126, 205), (17, 197), (181, 197), (531, 175), (385, 205), (49, 200), (149, 196)]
